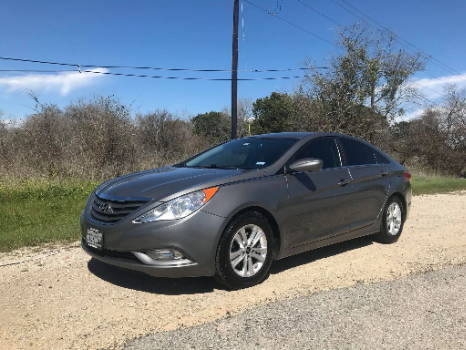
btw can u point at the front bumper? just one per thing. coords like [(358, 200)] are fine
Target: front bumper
[(162, 270), (196, 237)]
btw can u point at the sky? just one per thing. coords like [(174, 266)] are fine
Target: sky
[(197, 34)]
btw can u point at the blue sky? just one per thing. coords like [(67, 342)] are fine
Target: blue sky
[(197, 34)]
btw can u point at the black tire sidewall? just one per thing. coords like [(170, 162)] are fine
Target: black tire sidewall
[(224, 270), (384, 236)]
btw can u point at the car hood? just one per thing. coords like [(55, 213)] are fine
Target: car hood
[(160, 183)]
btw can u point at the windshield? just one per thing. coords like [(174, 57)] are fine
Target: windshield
[(248, 153)]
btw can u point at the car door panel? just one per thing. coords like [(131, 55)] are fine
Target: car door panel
[(318, 200), (370, 183), (369, 186), (317, 205)]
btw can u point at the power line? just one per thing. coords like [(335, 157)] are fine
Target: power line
[(283, 19), (37, 70), (78, 65), (425, 99), (320, 13), (152, 76), (311, 8), (162, 77), (371, 20), (192, 78)]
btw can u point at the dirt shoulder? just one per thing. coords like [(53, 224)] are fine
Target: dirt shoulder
[(65, 300)]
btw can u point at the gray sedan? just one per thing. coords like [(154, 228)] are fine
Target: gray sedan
[(232, 210)]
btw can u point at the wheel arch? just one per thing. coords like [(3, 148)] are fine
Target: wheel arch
[(271, 219)]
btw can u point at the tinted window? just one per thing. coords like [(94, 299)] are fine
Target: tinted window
[(323, 149), (357, 153), (248, 153), (380, 158)]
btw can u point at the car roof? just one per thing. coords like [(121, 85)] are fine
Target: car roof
[(296, 135)]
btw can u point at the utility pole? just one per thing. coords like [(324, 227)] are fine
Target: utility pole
[(234, 72)]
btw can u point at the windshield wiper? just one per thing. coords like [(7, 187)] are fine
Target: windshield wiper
[(215, 166), (209, 166)]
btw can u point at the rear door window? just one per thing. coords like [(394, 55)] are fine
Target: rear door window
[(322, 148), (357, 153), (380, 158)]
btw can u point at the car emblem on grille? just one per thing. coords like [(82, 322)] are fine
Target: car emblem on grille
[(106, 208)]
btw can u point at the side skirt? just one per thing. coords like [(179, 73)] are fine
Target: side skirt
[(365, 231)]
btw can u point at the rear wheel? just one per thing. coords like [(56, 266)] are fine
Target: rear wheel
[(244, 254), (392, 221)]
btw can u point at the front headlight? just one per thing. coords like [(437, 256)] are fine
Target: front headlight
[(178, 208)]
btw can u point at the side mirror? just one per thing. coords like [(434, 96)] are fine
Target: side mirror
[(306, 164)]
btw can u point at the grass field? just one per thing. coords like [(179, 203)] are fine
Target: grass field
[(32, 213), (436, 184)]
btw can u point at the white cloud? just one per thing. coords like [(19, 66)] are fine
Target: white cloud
[(435, 87), (11, 123), (413, 114), (63, 82)]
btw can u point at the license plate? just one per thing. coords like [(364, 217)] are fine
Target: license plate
[(94, 238)]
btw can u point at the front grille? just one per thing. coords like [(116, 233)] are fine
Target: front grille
[(111, 211), (110, 253)]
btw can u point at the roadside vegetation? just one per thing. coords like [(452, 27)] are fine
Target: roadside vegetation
[(362, 93), (436, 184), (33, 213), (39, 212)]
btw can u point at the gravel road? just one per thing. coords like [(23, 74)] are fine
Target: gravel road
[(422, 311), (64, 300)]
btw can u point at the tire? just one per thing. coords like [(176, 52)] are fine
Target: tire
[(249, 269), (388, 233)]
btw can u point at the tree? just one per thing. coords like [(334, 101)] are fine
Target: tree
[(102, 136), (401, 141), (365, 87), (244, 116), (215, 126), (163, 137), (272, 113), (45, 137), (438, 138)]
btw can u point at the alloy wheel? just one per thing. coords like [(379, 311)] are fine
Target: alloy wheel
[(248, 250), (394, 218)]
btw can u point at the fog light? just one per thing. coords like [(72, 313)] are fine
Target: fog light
[(164, 254)]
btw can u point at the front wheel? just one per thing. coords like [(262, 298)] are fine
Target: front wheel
[(392, 221), (244, 254)]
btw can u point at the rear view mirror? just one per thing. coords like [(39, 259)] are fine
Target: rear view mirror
[(306, 164)]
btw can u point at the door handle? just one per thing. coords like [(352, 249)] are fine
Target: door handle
[(384, 173), (344, 182)]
